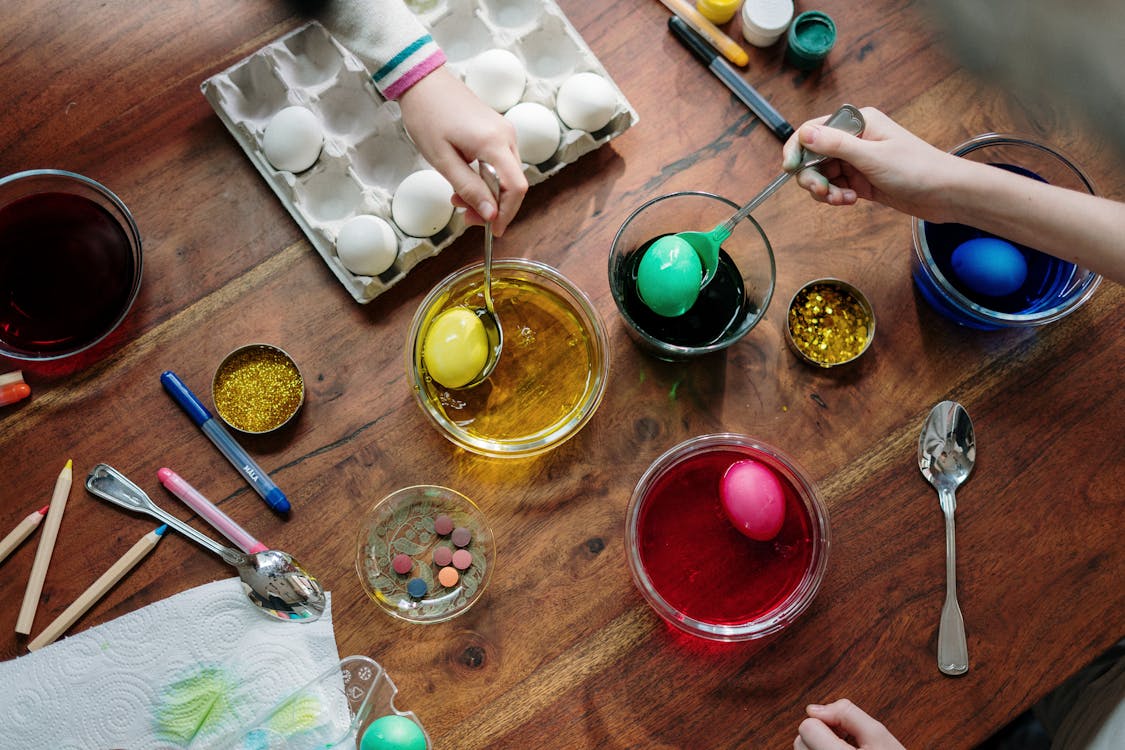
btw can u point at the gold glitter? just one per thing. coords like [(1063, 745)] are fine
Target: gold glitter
[(257, 389), (828, 324)]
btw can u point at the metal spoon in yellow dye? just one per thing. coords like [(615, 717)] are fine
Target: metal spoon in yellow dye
[(462, 346)]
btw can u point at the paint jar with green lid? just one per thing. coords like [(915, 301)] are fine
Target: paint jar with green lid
[(811, 37)]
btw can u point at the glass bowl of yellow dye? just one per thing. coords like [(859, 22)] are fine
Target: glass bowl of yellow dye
[(257, 388), (829, 322), (552, 372)]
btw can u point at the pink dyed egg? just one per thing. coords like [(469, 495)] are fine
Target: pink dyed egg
[(753, 499)]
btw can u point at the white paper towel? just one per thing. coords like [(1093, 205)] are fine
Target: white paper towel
[(176, 674)]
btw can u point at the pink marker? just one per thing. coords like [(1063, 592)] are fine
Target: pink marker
[(179, 487)]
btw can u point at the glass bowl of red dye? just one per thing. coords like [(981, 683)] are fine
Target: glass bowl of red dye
[(70, 263), (729, 306), (697, 570), (1051, 288)]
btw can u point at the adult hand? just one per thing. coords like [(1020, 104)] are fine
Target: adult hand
[(838, 725), (887, 164), (452, 128)]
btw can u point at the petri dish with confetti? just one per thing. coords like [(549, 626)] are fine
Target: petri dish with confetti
[(425, 554)]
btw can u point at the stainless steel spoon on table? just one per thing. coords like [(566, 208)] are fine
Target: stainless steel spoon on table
[(947, 450), (272, 580)]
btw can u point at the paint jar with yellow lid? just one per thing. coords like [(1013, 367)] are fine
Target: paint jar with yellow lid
[(718, 11)]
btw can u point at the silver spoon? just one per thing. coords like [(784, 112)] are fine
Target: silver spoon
[(487, 314), (947, 450), (272, 580)]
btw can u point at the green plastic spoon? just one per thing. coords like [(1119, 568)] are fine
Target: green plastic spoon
[(668, 282)]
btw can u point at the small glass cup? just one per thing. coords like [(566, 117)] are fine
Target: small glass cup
[(70, 263), (747, 246), (552, 372), (696, 569), (1054, 287)]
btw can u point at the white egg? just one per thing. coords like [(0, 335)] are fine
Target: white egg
[(421, 206), (586, 101), (293, 139), (367, 245), (497, 77), (537, 131)]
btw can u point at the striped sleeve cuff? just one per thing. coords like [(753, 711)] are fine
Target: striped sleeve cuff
[(413, 63)]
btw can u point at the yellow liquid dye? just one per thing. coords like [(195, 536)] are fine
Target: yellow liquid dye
[(546, 373)]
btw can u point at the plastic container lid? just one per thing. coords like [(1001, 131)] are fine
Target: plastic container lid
[(764, 21), (717, 11), (811, 37)]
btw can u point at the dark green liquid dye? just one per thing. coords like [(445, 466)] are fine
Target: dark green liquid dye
[(722, 306)]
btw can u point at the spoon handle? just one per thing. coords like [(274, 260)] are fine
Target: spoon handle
[(108, 483), (952, 649), (847, 118), (492, 180)]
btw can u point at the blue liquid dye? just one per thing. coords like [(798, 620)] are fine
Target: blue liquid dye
[(1048, 278)]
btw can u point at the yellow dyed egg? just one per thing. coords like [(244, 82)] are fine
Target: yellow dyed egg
[(455, 349)]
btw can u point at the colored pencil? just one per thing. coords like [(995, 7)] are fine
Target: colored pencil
[(10, 393), (98, 588), (46, 547), (22, 531)]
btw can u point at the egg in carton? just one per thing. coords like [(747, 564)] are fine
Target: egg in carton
[(305, 111), (563, 76), (361, 157)]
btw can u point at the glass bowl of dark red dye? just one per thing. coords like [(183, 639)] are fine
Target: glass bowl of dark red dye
[(1053, 288), (70, 263), (728, 308), (697, 570)]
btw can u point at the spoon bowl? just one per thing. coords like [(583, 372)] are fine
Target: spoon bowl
[(669, 286), (276, 583), (947, 451)]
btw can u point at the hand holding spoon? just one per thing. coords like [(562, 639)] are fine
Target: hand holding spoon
[(668, 276), (947, 449), (462, 346), (272, 580)]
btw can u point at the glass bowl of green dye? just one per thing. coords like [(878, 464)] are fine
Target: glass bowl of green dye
[(727, 309), (405, 523)]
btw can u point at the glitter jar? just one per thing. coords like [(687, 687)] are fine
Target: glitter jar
[(829, 322), (257, 389)]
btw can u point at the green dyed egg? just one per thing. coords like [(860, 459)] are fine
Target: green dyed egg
[(669, 276), (393, 732)]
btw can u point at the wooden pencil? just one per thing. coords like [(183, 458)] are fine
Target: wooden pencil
[(21, 531), (98, 588), (46, 547)]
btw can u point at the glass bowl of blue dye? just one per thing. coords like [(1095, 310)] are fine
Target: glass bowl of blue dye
[(729, 306), (1051, 288)]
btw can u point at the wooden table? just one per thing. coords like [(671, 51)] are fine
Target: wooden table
[(562, 651)]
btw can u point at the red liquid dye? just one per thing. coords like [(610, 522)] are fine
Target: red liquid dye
[(700, 563), (66, 272)]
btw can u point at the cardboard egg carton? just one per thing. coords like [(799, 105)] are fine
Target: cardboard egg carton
[(366, 151)]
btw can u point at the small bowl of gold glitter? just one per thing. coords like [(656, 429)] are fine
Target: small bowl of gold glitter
[(257, 389), (829, 323)]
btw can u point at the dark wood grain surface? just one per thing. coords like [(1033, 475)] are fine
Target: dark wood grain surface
[(562, 652)]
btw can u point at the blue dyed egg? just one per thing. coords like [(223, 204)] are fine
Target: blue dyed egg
[(990, 266)]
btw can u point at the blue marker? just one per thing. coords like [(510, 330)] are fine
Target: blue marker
[(234, 452)]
